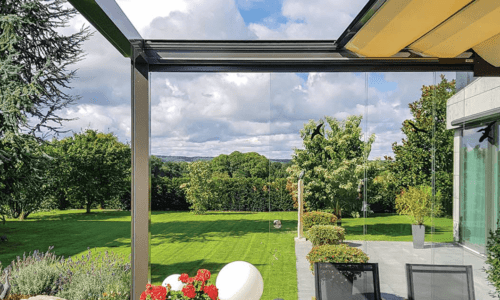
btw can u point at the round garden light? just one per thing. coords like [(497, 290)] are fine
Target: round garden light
[(240, 280), (174, 282)]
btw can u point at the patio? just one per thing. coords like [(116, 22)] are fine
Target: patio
[(391, 258)]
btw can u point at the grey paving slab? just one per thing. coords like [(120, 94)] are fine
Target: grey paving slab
[(391, 258)]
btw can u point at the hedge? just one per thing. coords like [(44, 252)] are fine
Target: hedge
[(312, 218), (325, 235), (336, 254), (250, 194)]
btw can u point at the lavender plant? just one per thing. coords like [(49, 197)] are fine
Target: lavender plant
[(33, 275), (102, 277)]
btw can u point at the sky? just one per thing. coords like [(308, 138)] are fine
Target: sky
[(207, 114)]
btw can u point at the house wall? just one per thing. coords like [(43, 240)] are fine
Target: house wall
[(478, 97)]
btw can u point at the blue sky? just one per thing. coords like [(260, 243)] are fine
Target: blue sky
[(200, 114)]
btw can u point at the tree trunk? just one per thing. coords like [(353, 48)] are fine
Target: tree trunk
[(88, 206)]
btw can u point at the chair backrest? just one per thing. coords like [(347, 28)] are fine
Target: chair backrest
[(435, 282), (347, 281)]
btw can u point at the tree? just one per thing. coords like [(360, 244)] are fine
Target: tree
[(33, 61), (333, 162), (18, 152), (92, 167), (241, 165), (199, 190), (427, 136), (41, 55)]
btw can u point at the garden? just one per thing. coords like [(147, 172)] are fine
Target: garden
[(65, 202), (181, 242)]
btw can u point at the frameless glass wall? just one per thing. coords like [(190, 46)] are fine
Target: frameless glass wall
[(238, 142)]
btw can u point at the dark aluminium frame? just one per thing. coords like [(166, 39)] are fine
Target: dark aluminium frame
[(233, 56)]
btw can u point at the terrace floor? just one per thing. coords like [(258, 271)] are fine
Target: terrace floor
[(391, 258)]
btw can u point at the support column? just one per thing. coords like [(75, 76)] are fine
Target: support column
[(300, 226), (141, 204), (457, 143)]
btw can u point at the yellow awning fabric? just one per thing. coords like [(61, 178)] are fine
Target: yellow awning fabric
[(399, 23), (489, 50), (472, 25)]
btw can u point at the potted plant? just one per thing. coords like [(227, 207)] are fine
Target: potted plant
[(417, 204)]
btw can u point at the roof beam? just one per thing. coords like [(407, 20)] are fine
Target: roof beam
[(286, 56), (108, 18)]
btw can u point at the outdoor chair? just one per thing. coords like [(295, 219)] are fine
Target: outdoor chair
[(436, 282), (347, 281)]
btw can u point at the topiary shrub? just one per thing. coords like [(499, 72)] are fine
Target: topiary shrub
[(325, 235), (312, 218), (336, 254), (493, 259)]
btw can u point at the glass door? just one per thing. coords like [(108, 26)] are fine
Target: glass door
[(478, 209)]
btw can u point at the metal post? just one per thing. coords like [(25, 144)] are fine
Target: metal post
[(300, 227), (140, 206)]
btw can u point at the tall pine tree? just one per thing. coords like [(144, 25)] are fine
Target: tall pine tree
[(33, 81)]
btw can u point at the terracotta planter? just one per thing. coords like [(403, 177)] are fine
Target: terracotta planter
[(418, 232)]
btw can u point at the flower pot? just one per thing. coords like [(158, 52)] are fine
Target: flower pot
[(418, 232)]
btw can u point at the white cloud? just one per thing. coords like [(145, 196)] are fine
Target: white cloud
[(319, 19), (215, 19)]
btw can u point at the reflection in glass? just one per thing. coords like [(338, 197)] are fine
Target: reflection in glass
[(477, 214)]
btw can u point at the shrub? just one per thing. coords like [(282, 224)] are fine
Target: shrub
[(34, 275), (312, 218), (325, 235), (70, 279), (336, 254), (493, 259), (417, 204)]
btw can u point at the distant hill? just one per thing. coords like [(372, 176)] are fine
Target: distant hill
[(183, 158), (166, 158)]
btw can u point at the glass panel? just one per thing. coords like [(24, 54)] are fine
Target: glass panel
[(212, 133), (475, 157), (241, 19)]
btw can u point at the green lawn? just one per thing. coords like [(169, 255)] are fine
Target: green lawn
[(393, 227), (181, 242)]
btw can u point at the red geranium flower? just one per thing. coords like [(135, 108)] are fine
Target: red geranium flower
[(204, 273), (189, 291), (211, 291), (184, 278)]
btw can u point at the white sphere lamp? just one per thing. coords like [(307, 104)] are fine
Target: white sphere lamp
[(239, 280), (174, 282)]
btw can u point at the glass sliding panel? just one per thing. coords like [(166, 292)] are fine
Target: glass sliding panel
[(317, 123), (475, 156), (210, 136)]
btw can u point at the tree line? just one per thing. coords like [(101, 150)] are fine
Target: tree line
[(92, 170)]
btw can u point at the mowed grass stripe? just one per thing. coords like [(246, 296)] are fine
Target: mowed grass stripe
[(180, 241)]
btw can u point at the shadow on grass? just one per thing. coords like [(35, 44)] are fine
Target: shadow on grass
[(73, 232)]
